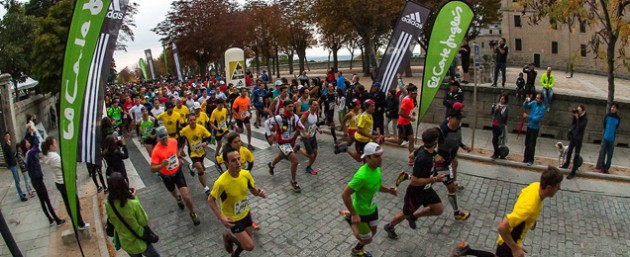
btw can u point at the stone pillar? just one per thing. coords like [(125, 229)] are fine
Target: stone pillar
[(8, 111)]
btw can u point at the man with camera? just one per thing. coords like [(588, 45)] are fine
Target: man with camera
[(576, 134), (530, 88), (500, 55)]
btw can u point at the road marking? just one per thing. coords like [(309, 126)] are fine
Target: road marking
[(134, 179)]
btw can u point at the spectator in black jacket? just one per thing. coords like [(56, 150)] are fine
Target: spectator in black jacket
[(391, 113), (379, 98), (530, 88), (576, 134), (454, 94), (114, 153), (37, 178)]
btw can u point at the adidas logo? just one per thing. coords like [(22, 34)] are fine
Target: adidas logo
[(413, 19), (114, 11)]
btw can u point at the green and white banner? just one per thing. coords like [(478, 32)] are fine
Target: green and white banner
[(143, 68), (91, 44), (449, 29)]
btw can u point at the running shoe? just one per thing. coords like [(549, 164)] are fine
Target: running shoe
[(402, 176), (310, 170), (227, 243), (531, 163), (195, 218), (99, 189), (460, 250), (106, 190), (207, 191), (251, 147), (345, 215), (270, 168), (404, 143), (459, 187), (86, 226), (296, 187), (361, 253), (51, 222), (461, 215), (60, 222), (391, 231), (180, 203), (192, 169), (255, 226), (412, 221)]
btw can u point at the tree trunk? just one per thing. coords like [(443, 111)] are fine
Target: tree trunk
[(328, 63), (370, 54), (290, 62), (363, 60), (335, 59), (301, 57), (277, 63), (408, 73), (257, 60), (306, 62), (351, 58), (269, 72), (610, 52)]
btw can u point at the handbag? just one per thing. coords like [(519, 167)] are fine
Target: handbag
[(148, 236), (109, 228)]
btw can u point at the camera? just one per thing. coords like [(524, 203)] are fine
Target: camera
[(574, 110), (493, 43)]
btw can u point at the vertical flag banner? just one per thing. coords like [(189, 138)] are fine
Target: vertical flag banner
[(178, 66), (89, 50), (149, 56), (143, 68), (165, 59), (449, 29), (406, 33)]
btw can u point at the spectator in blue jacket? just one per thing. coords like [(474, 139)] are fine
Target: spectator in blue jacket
[(536, 113), (611, 124), (341, 84)]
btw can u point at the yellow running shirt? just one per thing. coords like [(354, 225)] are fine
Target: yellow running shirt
[(525, 212), (195, 139), (202, 119), (366, 123), (232, 194), (219, 118), (170, 121), (354, 121), (246, 156)]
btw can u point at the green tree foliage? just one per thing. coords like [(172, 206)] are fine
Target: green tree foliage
[(39, 8), (17, 31), (607, 20)]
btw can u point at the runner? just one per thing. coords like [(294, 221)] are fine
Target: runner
[(146, 125), (276, 106), (164, 160), (352, 119), (365, 132), (303, 101), (231, 188), (329, 100), (116, 113), (218, 121), (233, 140), (362, 212), (197, 137), (240, 111), (183, 114), (309, 135), (171, 120), (260, 99), (285, 127), (406, 115), (202, 118), (515, 225), (420, 191)]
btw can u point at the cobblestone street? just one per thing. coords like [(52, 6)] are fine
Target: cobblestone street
[(573, 223)]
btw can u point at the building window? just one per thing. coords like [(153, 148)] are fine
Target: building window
[(490, 32), (554, 47), (583, 50), (518, 44), (517, 21), (582, 27), (483, 45)]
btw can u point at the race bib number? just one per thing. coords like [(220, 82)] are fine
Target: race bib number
[(427, 186), (331, 106), (197, 147), (286, 136), (222, 125), (240, 207), (125, 116), (286, 149), (312, 129), (260, 99), (172, 162), (244, 114), (147, 130)]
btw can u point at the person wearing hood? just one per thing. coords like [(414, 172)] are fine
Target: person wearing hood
[(576, 134), (611, 124)]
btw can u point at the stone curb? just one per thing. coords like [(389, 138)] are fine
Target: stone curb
[(100, 234), (473, 157)]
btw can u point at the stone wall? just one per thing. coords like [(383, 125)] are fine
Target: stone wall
[(36, 104), (556, 123)]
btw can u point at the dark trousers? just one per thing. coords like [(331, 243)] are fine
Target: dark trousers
[(64, 195), (95, 170), (379, 122), (530, 144), (499, 67), (496, 133), (577, 146), (605, 154), (44, 199)]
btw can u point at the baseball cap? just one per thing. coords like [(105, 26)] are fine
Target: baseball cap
[(355, 102), (370, 149), (278, 83), (368, 102), (196, 105), (455, 114), (376, 84), (161, 132), (222, 82), (458, 106), (212, 92)]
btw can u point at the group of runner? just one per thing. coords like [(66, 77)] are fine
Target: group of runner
[(208, 112)]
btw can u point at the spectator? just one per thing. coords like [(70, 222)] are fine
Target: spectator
[(453, 96), (341, 84), (576, 134), (21, 160), (114, 152), (379, 98), (520, 87), (499, 123), (9, 158), (124, 200), (611, 124), (464, 52), (547, 80), (264, 77), (530, 88), (52, 158), (304, 81), (391, 114), (501, 52), (537, 111)]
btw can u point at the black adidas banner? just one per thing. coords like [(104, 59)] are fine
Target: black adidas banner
[(406, 33), (177, 65), (149, 56)]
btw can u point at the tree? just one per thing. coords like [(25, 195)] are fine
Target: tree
[(298, 20), (17, 32), (334, 34), (605, 17), (262, 32), (126, 75), (39, 8), (352, 44)]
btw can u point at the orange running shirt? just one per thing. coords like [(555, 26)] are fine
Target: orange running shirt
[(168, 152)]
